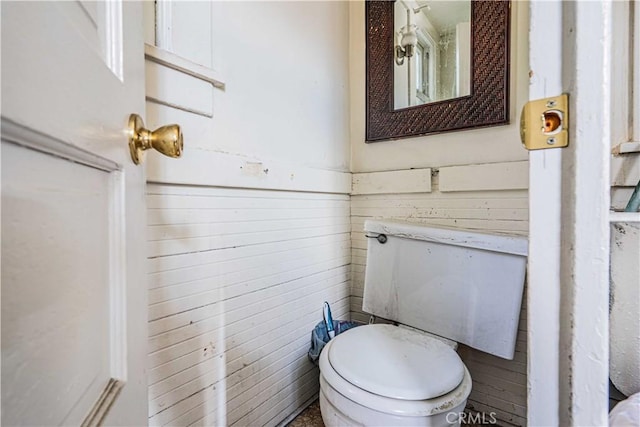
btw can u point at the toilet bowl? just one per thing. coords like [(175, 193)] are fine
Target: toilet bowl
[(405, 379), (459, 285)]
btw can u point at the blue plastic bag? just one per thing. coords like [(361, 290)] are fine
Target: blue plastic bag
[(320, 336)]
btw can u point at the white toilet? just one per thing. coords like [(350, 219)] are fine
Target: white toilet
[(451, 286)]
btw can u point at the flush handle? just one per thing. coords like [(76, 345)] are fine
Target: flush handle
[(381, 238)]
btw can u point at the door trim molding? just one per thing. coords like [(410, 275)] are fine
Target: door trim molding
[(100, 409), (24, 136)]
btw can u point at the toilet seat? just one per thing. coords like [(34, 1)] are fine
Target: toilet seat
[(395, 406), (395, 362)]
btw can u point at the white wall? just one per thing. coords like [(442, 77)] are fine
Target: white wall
[(249, 231), (285, 66), (479, 180)]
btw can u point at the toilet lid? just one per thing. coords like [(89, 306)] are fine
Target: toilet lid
[(395, 362)]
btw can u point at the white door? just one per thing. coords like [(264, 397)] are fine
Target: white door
[(73, 282)]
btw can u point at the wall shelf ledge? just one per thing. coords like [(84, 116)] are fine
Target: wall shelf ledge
[(176, 62)]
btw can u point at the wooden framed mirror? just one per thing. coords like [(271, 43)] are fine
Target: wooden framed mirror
[(476, 92)]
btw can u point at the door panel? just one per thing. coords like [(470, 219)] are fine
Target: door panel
[(55, 307), (73, 283)]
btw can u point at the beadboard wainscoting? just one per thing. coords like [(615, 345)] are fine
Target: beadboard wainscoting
[(237, 278), (248, 232), (491, 197)]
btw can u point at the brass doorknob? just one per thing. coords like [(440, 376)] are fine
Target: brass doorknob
[(165, 139)]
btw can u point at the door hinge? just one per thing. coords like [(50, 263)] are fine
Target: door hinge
[(544, 123)]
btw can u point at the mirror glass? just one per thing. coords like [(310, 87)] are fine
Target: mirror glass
[(432, 51)]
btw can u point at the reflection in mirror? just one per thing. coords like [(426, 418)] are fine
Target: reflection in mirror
[(487, 102), (432, 51)]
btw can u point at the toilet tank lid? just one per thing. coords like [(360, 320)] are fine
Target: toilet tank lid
[(496, 242)]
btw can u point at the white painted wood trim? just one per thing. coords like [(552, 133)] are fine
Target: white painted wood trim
[(26, 137), (99, 411), (545, 166), (114, 38), (392, 182), (176, 62), (625, 163), (163, 24), (624, 217), (178, 106), (625, 170), (118, 277), (621, 73), (568, 385), (173, 88), (635, 4), (195, 168), (626, 147), (584, 322), (485, 177)]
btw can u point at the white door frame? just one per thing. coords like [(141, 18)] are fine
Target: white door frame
[(543, 271), (570, 52)]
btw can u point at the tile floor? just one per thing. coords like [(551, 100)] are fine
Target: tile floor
[(310, 417)]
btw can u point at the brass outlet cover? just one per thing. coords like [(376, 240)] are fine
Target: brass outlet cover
[(544, 123)]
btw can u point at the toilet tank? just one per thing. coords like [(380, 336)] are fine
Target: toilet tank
[(462, 285)]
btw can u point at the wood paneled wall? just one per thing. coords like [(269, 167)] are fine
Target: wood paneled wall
[(248, 233), (237, 279), (491, 197)]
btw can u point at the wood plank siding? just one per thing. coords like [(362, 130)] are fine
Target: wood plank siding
[(237, 279)]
